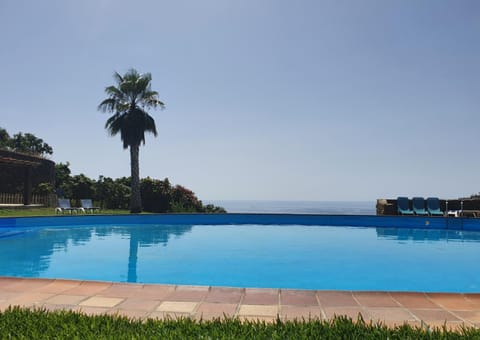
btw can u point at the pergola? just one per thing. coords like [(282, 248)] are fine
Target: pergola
[(25, 164)]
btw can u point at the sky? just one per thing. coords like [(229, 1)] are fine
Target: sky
[(265, 99)]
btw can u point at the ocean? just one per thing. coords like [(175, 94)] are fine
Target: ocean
[(298, 207)]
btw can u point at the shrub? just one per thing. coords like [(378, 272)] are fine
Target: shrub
[(156, 195), (184, 200), (43, 189), (112, 194), (81, 187), (213, 209)]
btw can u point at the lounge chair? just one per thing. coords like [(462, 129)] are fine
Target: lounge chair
[(418, 205), (64, 206), (433, 206), (402, 206), (87, 206)]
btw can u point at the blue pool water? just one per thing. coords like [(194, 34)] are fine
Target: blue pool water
[(245, 255)]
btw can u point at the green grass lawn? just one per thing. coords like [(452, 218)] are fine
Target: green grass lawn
[(49, 212), (19, 323)]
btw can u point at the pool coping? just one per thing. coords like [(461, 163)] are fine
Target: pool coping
[(265, 304)]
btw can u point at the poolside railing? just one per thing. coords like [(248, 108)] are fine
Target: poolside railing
[(45, 200)]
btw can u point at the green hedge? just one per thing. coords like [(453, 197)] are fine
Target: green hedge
[(17, 323)]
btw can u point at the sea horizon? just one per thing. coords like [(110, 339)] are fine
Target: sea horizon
[(296, 207)]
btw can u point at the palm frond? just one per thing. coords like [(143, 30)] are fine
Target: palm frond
[(131, 75), (142, 84), (123, 106), (107, 105), (114, 123), (113, 91), (118, 78), (148, 76), (154, 103), (150, 100), (150, 125)]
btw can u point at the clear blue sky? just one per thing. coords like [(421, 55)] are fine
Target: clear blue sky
[(270, 99)]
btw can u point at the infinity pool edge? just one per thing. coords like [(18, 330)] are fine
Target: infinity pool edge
[(416, 222)]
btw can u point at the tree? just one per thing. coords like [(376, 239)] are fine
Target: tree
[(112, 194), (128, 101), (156, 194), (30, 144), (25, 143), (4, 138), (63, 180), (82, 187), (184, 199)]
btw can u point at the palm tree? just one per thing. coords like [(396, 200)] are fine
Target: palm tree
[(128, 101)]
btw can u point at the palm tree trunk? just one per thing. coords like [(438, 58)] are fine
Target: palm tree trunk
[(135, 199)]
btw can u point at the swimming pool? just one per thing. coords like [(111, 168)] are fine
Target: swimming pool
[(277, 251)]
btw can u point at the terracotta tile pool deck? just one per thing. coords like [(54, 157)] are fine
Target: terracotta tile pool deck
[(201, 302)]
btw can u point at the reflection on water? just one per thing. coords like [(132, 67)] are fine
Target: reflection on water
[(422, 235), (28, 251), (294, 256)]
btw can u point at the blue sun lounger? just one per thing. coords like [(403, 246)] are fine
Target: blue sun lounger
[(433, 206), (418, 205), (402, 206), (64, 206), (87, 206)]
